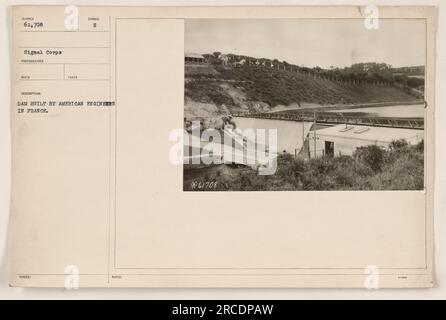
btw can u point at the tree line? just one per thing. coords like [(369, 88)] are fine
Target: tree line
[(358, 73)]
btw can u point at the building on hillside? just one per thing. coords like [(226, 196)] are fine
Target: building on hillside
[(194, 58), (240, 63), (343, 140), (224, 58), (417, 92)]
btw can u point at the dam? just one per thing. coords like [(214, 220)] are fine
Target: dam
[(334, 133), (308, 134), (291, 135)]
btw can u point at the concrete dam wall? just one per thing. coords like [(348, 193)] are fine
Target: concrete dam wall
[(290, 134)]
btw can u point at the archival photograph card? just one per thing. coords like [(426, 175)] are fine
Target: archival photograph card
[(222, 146), (331, 115)]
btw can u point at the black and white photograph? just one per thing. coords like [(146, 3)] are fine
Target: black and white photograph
[(304, 104)]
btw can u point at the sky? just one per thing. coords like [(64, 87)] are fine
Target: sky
[(312, 42)]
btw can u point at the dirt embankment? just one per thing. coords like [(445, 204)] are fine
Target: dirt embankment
[(210, 105)]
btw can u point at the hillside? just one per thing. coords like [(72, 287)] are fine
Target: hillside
[(227, 89)]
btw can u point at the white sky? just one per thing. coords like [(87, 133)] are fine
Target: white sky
[(324, 43)]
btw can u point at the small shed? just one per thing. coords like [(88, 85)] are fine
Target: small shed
[(224, 58), (194, 58), (344, 139)]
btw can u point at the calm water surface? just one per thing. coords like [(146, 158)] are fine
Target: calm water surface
[(400, 111)]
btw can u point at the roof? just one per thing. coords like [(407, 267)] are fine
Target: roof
[(194, 55), (378, 134)]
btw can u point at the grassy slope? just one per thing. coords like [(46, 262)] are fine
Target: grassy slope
[(279, 87)]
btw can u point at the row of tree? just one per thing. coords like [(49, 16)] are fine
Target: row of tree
[(371, 72)]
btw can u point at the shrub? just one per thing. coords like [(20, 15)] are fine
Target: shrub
[(397, 145), (372, 156), (401, 167), (420, 146)]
